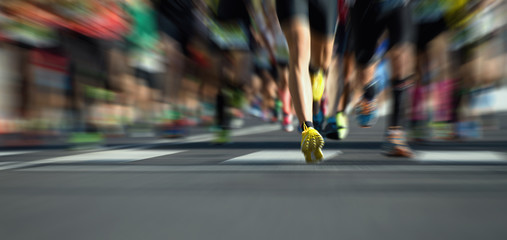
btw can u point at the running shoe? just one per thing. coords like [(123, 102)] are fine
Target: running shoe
[(318, 121), (337, 127), (317, 85), (311, 145), (287, 123), (418, 132), (331, 130), (396, 144), (442, 131), (222, 136), (366, 113), (342, 124)]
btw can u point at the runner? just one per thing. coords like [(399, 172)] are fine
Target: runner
[(309, 27), (370, 19), (433, 70), (343, 69), (281, 51), (237, 25), (176, 20)]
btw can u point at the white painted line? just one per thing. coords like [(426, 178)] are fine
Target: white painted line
[(256, 130), (210, 137), (15, 165), (266, 168), (193, 139), (9, 153), (277, 156), (125, 155), (6, 163), (461, 156), (119, 156)]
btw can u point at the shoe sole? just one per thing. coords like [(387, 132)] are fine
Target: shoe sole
[(313, 150), (399, 153)]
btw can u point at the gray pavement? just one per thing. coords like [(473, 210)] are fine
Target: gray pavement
[(257, 188)]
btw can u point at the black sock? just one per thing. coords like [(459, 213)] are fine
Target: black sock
[(400, 88), (307, 123), (313, 70), (370, 91)]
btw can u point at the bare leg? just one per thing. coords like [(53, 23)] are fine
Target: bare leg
[(297, 33), (283, 90), (402, 68), (320, 59)]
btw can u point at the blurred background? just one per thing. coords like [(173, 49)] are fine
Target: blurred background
[(110, 78), (83, 71)]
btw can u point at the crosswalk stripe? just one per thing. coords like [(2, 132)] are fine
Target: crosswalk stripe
[(6, 163), (116, 156), (461, 156), (9, 153), (123, 155), (209, 136), (277, 156)]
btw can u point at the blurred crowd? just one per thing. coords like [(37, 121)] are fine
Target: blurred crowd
[(88, 70)]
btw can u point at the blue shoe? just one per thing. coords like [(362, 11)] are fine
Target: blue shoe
[(337, 127), (366, 113), (318, 120), (331, 130)]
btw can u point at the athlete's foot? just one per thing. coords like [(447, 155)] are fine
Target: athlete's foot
[(273, 119), (318, 121), (331, 130), (287, 123), (337, 127), (222, 137), (396, 144), (311, 145), (366, 112), (342, 124), (443, 131)]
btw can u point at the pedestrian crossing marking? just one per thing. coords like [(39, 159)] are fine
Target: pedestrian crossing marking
[(6, 163), (9, 153), (461, 156), (277, 157), (110, 156), (120, 155)]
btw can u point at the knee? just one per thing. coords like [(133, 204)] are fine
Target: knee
[(402, 61)]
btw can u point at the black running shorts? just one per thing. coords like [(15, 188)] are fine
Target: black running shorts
[(369, 23), (344, 40), (428, 31), (321, 14)]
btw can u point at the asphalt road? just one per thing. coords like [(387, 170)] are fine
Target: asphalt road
[(257, 187)]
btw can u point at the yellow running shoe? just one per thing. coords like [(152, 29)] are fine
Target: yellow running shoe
[(311, 145), (317, 85)]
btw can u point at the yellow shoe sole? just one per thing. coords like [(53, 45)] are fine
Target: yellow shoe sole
[(311, 146)]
